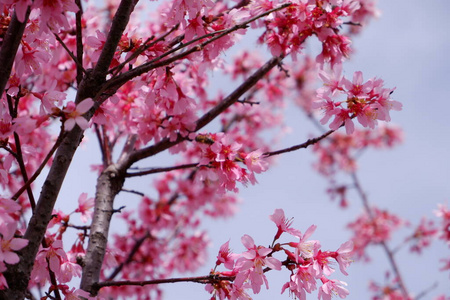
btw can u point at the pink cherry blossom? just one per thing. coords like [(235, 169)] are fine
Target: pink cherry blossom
[(250, 265), (9, 244), (85, 205), (344, 256), (304, 249), (74, 114), (332, 287), (225, 256), (255, 162), (283, 224)]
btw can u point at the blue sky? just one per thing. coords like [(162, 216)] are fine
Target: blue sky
[(408, 46)]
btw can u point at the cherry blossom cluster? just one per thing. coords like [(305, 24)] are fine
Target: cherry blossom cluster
[(373, 228), (304, 259), (368, 102), (287, 31), (220, 159), (53, 264), (339, 152), (179, 47)]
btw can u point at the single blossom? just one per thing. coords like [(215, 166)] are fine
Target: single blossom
[(332, 287), (283, 224), (74, 114)]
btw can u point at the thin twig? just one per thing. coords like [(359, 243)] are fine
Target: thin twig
[(303, 145), (141, 49), (135, 248), (39, 169), (75, 60), (133, 192)]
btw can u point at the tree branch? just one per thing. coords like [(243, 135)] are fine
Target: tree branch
[(210, 115), (79, 38), (41, 167), (109, 185), (10, 45), (199, 279), (119, 23), (162, 169), (299, 146)]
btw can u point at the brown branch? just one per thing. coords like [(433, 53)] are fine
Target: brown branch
[(109, 184), (79, 38), (101, 145), (210, 115), (266, 154), (19, 155), (41, 167), (141, 49), (80, 68), (199, 279), (129, 258), (162, 169), (23, 170), (303, 145)]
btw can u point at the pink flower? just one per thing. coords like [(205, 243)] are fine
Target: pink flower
[(283, 224), (444, 213), (68, 270), (225, 256), (250, 265), (344, 256), (423, 235), (84, 206), (8, 244), (53, 256), (304, 249), (321, 262), (76, 294), (255, 162), (74, 114), (332, 287), (29, 60)]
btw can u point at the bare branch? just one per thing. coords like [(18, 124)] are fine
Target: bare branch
[(75, 59), (303, 145), (200, 279), (129, 258), (160, 170), (79, 37), (41, 167)]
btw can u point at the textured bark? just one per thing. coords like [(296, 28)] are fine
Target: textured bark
[(109, 184)]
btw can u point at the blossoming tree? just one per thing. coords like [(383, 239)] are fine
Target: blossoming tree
[(141, 86)]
